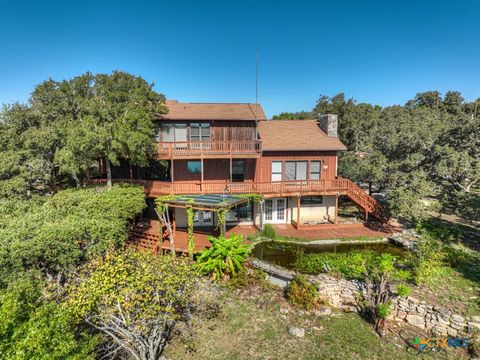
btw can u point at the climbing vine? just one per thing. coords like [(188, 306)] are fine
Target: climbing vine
[(222, 213), (191, 238), (254, 198)]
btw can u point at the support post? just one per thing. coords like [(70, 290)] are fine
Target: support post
[(230, 170), (366, 216), (298, 210), (262, 209), (201, 170), (171, 171), (336, 209)]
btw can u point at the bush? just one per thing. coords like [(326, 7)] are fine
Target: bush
[(248, 277), (269, 232), (135, 299), (302, 293), (434, 228), (352, 264), (225, 258), (428, 256)]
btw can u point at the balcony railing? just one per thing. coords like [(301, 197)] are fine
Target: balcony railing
[(179, 149), (157, 188)]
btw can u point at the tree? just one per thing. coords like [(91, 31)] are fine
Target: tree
[(134, 299), (302, 115)]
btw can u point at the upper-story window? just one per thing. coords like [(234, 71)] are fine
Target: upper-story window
[(277, 167), (238, 170), (194, 167), (295, 170), (174, 132), (199, 132), (315, 169)]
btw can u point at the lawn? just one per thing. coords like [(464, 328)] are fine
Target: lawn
[(254, 325)]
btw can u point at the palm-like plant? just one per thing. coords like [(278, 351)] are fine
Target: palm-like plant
[(225, 258)]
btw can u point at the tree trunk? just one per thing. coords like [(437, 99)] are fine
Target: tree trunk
[(370, 188), (109, 172), (77, 181)]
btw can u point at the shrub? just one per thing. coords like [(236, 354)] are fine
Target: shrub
[(428, 256), (434, 228), (302, 293), (225, 258), (248, 277), (403, 290), (352, 264), (135, 299), (269, 232)]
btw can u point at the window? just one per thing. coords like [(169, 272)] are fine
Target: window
[(194, 167), (240, 213), (315, 168), (238, 170), (295, 170), (311, 200), (174, 132), (277, 171), (199, 132)]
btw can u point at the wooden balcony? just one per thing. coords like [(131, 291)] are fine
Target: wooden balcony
[(275, 188), (209, 149)]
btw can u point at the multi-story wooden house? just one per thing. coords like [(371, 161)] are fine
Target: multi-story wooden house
[(219, 148)]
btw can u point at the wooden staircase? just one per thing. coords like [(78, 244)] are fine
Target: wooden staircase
[(367, 202)]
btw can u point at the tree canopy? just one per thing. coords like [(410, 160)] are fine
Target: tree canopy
[(427, 148), (66, 126)]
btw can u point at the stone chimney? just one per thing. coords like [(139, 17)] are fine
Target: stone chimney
[(329, 124)]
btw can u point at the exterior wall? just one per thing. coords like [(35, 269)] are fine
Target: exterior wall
[(313, 213), (328, 158), (215, 170), (222, 130)]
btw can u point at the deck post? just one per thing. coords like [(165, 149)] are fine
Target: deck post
[(261, 204), (201, 170), (171, 171), (366, 216), (336, 209), (298, 210), (230, 169)]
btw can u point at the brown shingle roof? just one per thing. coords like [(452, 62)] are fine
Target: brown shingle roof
[(299, 135), (212, 111)]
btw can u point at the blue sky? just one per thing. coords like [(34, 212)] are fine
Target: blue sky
[(382, 52)]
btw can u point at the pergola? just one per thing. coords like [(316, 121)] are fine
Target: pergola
[(219, 203)]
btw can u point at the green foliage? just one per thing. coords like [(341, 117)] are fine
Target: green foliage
[(67, 125), (435, 229), (248, 277), (403, 290), (428, 256), (302, 293), (225, 258), (302, 115), (352, 264), (191, 237), (33, 327), (428, 147), (56, 233), (134, 298), (221, 215), (383, 310), (268, 232)]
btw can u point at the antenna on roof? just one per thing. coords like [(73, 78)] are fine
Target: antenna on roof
[(256, 81)]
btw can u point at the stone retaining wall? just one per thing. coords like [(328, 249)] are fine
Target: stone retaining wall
[(343, 294)]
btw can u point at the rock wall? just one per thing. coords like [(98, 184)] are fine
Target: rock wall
[(344, 294)]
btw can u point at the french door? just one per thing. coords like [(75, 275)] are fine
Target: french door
[(275, 211)]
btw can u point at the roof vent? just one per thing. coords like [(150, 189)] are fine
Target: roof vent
[(329, 124)]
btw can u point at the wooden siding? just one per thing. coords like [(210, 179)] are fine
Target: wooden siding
[(328, 159), (215, 170), (221, 130)]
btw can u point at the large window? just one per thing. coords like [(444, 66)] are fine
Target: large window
[(315, 169), (240, 213), (194, 167), (174, 132), (295, 170), (311, 200), (199, 132), (238, 170), (277, 171)]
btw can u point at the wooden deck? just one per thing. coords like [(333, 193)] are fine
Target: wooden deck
[(148, 237)]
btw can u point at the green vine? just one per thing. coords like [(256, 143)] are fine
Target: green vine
[(255, 198), (191, 238), (222, 213)]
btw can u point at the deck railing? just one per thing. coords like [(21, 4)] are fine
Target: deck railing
[(167, 150), (155, 188)]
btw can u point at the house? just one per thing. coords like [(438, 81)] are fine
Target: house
[(210, 151)]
